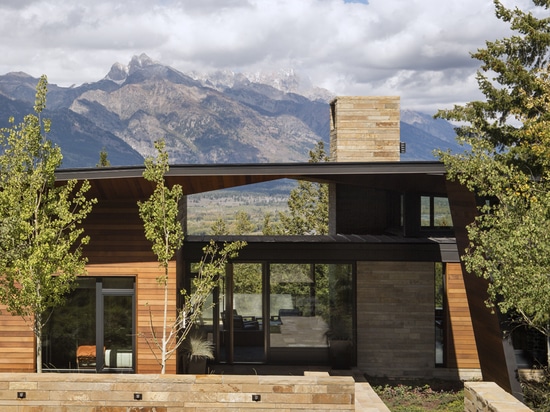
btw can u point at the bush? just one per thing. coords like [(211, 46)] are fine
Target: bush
[(401, 397), (536, 394)]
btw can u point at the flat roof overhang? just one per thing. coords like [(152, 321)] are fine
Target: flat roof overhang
[(128, 182), (332, 248)]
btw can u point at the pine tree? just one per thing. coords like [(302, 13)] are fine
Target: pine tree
[(307, 204), (507, 161)]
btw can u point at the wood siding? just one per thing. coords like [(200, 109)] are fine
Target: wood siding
[(496, 356), (460, 340), (117, 248), (116, 234), (149, 302), (16, 344)]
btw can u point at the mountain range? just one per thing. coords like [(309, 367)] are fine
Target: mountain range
[(221, 117)]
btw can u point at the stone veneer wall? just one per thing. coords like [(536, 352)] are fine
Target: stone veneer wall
[(395, 328), (365, 129), (51, 392), (489, 397)]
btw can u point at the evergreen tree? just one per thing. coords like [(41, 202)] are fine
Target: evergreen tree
[(41, 237), (103, 160), (307, 204), (506, 161)]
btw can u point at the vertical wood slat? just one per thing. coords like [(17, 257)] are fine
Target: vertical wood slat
[(460, 339)]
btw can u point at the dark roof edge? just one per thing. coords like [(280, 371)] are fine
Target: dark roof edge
[(275, 169)]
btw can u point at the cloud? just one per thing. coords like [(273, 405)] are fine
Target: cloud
[(419, 49)]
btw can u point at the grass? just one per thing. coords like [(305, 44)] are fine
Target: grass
[(420, 397)]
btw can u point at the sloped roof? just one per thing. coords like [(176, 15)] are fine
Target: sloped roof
[(128, 182)]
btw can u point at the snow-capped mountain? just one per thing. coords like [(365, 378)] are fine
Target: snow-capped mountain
[(221, 117)]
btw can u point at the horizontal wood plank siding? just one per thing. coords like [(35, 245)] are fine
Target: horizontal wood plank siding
[(116, 234), (117, 247), (16, 344)]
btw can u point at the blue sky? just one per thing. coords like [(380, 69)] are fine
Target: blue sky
[(417, 49)]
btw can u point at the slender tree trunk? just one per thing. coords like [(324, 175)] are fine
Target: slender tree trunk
[(164, 324), (38, 334)]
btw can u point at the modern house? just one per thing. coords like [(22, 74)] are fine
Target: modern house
[(387, 280)]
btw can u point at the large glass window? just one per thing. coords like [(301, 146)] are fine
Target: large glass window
[(280, 312), (94, 330), (310, 304)]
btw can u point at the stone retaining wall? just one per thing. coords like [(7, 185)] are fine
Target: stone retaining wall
[(58, 392), (489, 397)]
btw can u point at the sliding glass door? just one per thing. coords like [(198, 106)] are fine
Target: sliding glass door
[(284, 312), (242, 315)]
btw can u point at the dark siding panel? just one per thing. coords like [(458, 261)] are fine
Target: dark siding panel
[(494, 353)]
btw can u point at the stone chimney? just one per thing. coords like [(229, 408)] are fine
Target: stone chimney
[(364, 129)]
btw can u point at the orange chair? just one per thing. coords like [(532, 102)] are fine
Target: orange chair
[(85, 356)]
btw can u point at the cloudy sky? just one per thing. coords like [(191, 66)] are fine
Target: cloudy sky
[(418, 49)]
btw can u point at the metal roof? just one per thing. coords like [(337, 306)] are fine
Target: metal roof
[(128, 182)]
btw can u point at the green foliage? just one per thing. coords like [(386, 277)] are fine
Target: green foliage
[(160, 212), (41, 237), (160, 215), (243, 223), (163, 229), (508, 163), (103, 160), (416, 398), (308, 206)]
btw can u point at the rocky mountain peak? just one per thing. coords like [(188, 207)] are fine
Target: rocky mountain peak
[(118, 73), (140, 62), (222, 117)]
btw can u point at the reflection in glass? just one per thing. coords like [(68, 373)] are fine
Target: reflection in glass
[(75, 330), (439, 314), (308, 305), (118, 331), (70, 327), (247, 316)]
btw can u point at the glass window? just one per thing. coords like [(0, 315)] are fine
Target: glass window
[(439, 314), (309, 305), (99, 313), (118, 331), (435, 212)]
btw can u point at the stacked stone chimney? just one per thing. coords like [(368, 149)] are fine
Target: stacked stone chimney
[(364, 129)]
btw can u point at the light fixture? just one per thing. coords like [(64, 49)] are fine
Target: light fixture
[(21, 395), (138, 396)]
